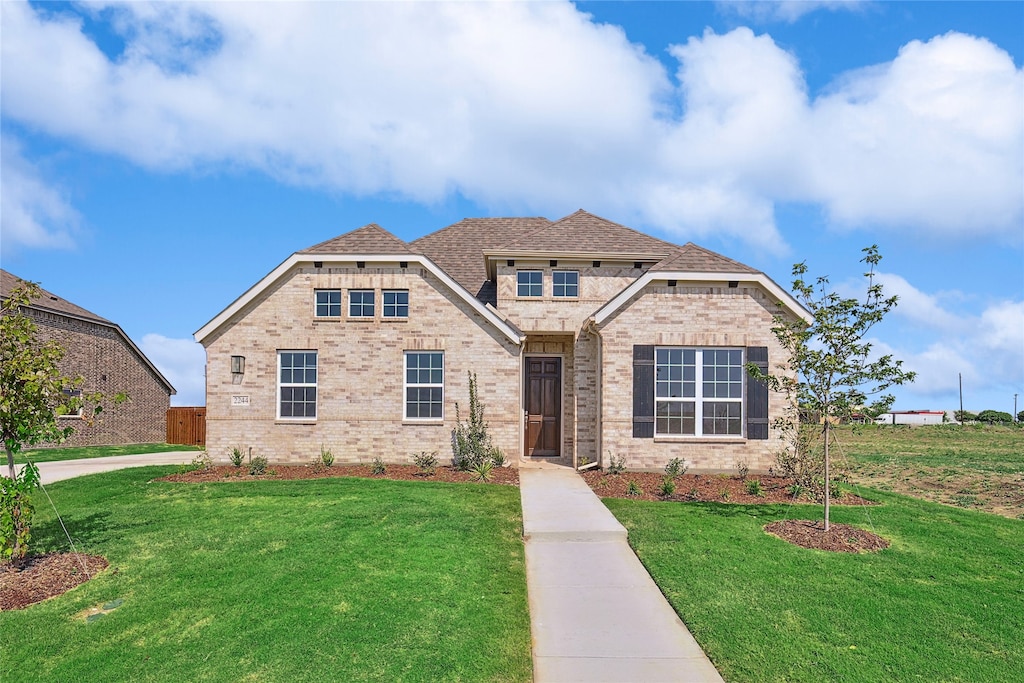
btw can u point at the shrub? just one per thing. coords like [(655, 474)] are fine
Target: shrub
[(723, 494), (258, 465), (754, 487), (742, 469), (16, 512), (676, 468), (482, 472), (668, 486), (497, 457), (796, 490), (326, 457), (378, 466), (694, 494), (427, 462), (617, 464), (471, 443), (237, 456), (633, 489), (200, 462), (995, 417)]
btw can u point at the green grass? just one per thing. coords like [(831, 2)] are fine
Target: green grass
[(944, 603), (976, 466), (335, 579), (83, 452)]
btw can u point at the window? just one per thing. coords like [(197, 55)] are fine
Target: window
[(529, 283), (73, 409), (709, 406), (360, 303), (297, 384), (424, 385), (565, 283), (396, 303), (328, 303)]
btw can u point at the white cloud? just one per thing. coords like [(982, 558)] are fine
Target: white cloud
[(532, 107), (788, 11), (183, 363), (34, 214)]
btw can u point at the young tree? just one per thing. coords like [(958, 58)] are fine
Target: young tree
[(830, 370)]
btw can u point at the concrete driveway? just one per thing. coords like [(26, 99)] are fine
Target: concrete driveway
[(50, 472)]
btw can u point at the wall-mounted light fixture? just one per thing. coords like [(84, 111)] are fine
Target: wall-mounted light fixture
[(237, 365)]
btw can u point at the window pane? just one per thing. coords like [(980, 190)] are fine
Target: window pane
[(529, 283)]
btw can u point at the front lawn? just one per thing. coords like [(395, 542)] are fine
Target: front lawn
[(83, 452), (944, 603), (334, 579)]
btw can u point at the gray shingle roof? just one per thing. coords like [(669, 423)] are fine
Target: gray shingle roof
[(585, 233), (694, 259), (49, 301), (369, 239)]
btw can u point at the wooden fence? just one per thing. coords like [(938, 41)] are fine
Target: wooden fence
[(186, 426)]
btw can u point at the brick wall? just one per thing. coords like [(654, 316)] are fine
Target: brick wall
[(360, 402), (685, 316), (108, 364)]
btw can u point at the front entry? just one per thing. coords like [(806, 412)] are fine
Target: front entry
[(543, 407)]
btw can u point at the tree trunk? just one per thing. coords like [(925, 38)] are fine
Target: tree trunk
[(828, 487), (10, 462)]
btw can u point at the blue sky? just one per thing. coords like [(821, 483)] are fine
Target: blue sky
[(158, 159)]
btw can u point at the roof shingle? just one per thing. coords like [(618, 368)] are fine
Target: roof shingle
[(369, 239), (585, 233), (49, 301), (694, 259)]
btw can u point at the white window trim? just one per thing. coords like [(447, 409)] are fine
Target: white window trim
[(383, 310), (530, 296), (78, 414), (348, 304), (341, 303), (315, 385), (406, 385), (698, 399), (565, 296)]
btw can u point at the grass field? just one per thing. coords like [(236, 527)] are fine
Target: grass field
[(328, 580), (83, 452), (979, 467), (944, 603)]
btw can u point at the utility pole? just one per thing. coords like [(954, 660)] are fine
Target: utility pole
[(1015, 408), (960, 376)]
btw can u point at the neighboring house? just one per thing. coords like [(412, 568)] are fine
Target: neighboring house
[(589, 340), (108, 361)]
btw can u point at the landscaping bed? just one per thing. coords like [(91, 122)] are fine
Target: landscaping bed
[(498, 475), (43, 576), (705, 488)]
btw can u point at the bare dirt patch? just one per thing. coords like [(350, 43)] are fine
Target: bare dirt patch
[(840, 538), (702, 488), (221, 473), (45, 576)]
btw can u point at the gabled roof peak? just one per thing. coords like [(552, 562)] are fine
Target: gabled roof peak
[(369, 239)]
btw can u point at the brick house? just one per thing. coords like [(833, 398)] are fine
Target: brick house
[(109, 361), (589, 340)]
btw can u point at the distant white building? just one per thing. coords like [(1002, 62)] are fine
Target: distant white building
[(911, 417)]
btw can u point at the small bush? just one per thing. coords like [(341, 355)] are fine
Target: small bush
[(16, 512), (742, 469), (723, 494), (754, 487), (676, 468), (633, 489), (378, 466), (427, 462), (237, 457), (497, 457), (258, 465), (482, 472), (200, 462), (796, 490), (668, 486), (326, 457), (694, 494), (617, 464)]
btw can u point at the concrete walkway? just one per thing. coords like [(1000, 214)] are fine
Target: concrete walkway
[(595, 613), (50, 472)]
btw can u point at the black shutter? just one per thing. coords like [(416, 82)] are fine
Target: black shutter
[(757, 395), (643, 391)]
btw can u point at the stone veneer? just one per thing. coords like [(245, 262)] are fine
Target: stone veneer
[(691, 315), (360, 392)]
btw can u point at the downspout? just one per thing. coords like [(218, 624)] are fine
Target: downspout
[(591, 328)]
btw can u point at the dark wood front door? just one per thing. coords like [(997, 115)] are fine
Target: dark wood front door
[(543, 406)]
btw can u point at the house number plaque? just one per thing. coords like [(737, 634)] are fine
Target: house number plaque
[(240, 400)]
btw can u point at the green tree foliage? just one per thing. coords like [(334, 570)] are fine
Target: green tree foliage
[(1020, 416), (995, 417), (471, 442), (965, 416), (831, 370)]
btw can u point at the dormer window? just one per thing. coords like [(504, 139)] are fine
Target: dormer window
[(530, 283), (565, 283)]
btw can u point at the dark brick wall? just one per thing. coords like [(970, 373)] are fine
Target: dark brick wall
[(108, 364)]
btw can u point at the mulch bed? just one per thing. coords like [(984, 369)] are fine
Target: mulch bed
[(703, 488), (840, 538), (44, 576), (218, 473)]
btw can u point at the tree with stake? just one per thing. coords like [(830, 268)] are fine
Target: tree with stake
[(830, 371), (33, 393)]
